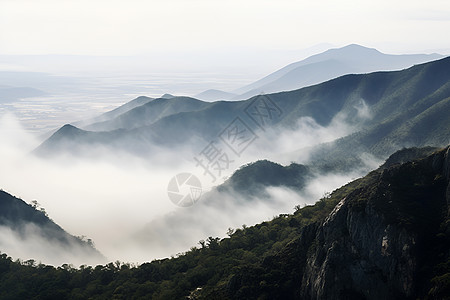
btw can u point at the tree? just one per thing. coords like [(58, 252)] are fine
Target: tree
[(230, 231), (213, 243)]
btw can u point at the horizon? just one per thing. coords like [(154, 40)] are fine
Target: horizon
[(84, 86)]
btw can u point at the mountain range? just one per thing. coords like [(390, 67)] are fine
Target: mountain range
[(321, 67), (382, 236), (11, 94), (386, 111)]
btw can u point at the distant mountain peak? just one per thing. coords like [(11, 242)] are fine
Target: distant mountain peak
[(332, 63), (213, 94), (167, 96), (352, 49), (357, 46), (143, 98), (166, 122), (68, 128), (67, 131)]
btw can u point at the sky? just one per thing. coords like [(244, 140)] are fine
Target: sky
[(170, 27)]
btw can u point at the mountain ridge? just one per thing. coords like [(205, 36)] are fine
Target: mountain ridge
[(148, 113), (376, 103), (354, 58)]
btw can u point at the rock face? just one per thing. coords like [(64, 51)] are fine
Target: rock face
[(360, 257), (387, 237), (379, 242), (384, 236)]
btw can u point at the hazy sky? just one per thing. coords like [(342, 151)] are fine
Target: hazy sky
[(188, 46), (163, 27)]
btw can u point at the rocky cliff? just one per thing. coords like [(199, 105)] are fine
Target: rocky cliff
[(385, 241), (387, 237), (383, 236)]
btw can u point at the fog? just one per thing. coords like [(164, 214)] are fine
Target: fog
[(32, 243), (295, 143), (216, 212), (121, 202)]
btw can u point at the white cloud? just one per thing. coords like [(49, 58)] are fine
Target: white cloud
[(33, 243), (112, 197)]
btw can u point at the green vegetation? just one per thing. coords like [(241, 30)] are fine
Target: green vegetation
[(17, 215), (265, 261), (210, 266), (251, 177)]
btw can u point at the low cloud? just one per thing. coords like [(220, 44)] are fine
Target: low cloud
[(33, 243), (120, 201)]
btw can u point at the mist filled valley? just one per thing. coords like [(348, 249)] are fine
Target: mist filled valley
[(196, 150)]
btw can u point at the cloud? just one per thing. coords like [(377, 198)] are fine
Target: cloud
[(121, 202), (211, 216), (217, 211), (104, 199), (33, 243), (294, 144)]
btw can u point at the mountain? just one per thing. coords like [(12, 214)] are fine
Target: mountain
[(395, 240), (105, 121), (234, 201), (254, 177), (167, 96), (388, 110), (116, 112), (383, 236), (331, 64), (414, 113), (28, 230), (11, 94), (406, 155), (250, 186), (386, 237), (147, 113), (214, 95)]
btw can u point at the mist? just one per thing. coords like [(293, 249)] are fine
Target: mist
[(32, 243), (295, 143), (120, 200)]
